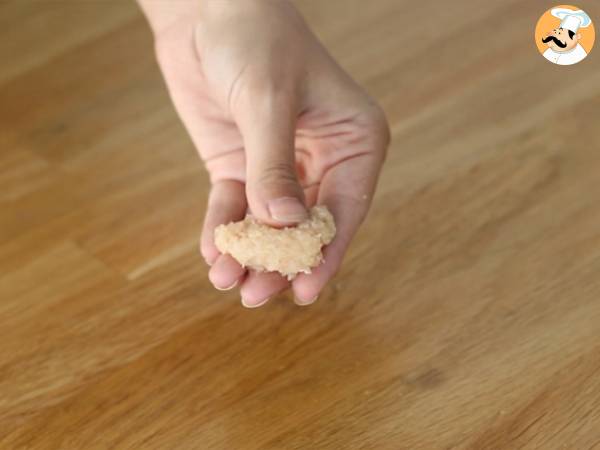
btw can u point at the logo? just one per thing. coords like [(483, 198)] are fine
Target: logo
[(565, 35)]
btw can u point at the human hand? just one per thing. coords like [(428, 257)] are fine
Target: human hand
[(278, 123)]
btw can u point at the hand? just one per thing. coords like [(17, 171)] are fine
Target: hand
[(279, 126)]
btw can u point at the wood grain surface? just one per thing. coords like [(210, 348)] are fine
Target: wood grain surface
[(467, 312)]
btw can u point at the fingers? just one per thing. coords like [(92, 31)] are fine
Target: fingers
[(311, 194), (226, 273), (347, 190), (307, 287), (267, 122), (259, 287), (226, 203)]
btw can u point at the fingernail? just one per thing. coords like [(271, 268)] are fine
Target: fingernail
[(255, 305), (228, 288), (299, 302), (287, 209)]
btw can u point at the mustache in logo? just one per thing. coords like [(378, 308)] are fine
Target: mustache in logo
[(555, 40)]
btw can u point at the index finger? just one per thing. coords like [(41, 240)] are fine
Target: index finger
[(347, 190)]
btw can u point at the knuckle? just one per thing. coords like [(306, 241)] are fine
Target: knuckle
[(277, 174), (163, 49), (167, 58), (263, 91), (274, 181)]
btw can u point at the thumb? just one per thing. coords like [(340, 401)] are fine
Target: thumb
[(268, 126)]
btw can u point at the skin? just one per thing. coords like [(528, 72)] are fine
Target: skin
[(562, 36), (279, 125)]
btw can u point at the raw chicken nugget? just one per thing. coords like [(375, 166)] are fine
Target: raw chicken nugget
[(287, 250)]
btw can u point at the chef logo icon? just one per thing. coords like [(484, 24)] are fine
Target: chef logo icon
[(565, 35)]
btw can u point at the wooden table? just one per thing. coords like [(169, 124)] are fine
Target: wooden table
[(467, 312)]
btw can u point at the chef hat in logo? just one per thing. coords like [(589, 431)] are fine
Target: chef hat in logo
[(572, 20)]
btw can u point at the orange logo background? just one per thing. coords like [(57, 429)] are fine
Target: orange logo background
[(548, 22)]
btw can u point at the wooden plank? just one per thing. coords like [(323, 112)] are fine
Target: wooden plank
[(471, 321)]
